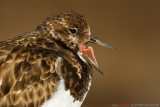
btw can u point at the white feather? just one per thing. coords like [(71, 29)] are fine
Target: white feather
[(62, 98), (0, 82)]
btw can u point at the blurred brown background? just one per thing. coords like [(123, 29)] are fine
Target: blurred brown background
[(132, 72)]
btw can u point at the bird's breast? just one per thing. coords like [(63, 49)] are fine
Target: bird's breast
[(63, 98)]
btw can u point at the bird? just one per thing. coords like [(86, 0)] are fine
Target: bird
[(49, 66)]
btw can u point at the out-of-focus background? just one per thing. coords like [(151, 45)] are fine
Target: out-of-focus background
[(132, 72)]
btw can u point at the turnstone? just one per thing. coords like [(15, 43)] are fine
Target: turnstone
[(48, 66)]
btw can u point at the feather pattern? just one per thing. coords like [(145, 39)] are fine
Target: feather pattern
[(27, 76), (29, 73)]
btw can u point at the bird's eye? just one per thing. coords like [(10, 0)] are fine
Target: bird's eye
[(73, 30)]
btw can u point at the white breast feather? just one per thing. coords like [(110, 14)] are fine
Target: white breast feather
[(62, 98), (0, 82)]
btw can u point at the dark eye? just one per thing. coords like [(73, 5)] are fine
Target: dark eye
[(73, 30)]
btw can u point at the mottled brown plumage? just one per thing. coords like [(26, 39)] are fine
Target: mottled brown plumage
[(27, 64), (29, 73)]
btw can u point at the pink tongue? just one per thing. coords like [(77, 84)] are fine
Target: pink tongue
[(90, 49)]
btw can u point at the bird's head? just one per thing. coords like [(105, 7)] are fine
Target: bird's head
[(72, 29)]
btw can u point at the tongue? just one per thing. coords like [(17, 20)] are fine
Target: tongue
[(90, 49)]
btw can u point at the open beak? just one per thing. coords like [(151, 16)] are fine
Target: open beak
[(95, 40)]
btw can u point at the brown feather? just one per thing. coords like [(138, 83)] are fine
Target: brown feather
[(27, 63), (7, 83), (15, 98), (18, 74), (8, 100)]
